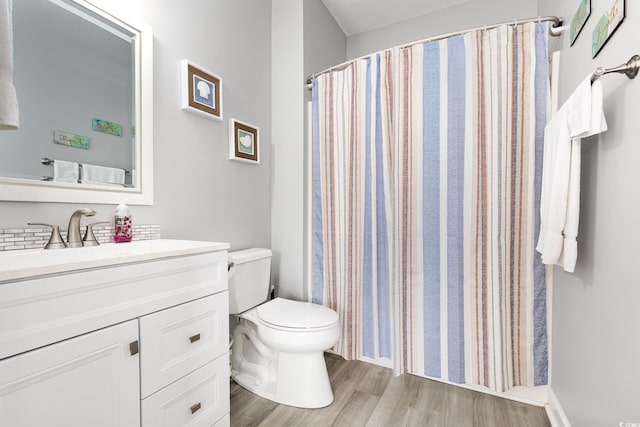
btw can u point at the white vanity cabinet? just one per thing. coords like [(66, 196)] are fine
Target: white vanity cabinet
[(133, 334)]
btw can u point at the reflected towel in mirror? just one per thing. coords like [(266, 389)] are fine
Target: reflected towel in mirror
[(93, 174), (9, 118), (64, 171)]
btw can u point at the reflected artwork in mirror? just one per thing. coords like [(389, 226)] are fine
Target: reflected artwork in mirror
[(84, 83)]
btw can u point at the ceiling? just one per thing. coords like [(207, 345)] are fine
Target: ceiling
[(356, 16)]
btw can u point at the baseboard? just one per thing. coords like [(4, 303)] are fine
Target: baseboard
[(383, 362), (529, 395), (556, 414)]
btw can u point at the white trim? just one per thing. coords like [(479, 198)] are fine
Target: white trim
[(92, 20), (554, 410), (384, 362), (308, 226)]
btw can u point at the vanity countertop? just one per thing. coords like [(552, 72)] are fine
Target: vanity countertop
[(21, 264)]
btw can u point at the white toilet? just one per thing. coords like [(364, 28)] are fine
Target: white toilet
[(277, 352)]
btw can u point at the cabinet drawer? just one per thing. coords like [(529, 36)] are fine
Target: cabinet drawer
[(176, 341), (224, 421), (44, 310), (199, 399)]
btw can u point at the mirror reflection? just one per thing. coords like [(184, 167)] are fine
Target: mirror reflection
[(74, 75)]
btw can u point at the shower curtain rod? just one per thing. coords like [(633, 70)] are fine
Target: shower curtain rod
[(554, 30)]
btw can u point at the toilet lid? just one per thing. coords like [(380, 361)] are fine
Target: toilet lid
[(295, 314)]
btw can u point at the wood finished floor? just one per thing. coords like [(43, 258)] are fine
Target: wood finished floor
[(369, 395)]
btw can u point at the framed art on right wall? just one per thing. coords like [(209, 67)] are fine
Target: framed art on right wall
[(579, 19), (607, 25)]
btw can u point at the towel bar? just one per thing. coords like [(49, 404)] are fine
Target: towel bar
[(47, 161), (630, 69)]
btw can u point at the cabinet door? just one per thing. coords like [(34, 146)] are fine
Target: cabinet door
[(90, 380), (179, 340)]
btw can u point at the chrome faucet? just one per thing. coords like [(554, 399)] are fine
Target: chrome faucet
[(74, 240)]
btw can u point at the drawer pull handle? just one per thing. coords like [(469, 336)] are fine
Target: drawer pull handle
[(195, 408), (194, 338), (133, 348)]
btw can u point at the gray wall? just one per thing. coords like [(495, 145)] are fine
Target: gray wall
[(459, 17), (199, 193), (324, 42), (596, 335), (306, 38), (287, 240)]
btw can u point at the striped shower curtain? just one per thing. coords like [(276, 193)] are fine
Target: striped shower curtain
[(426, 184), (352, 211)]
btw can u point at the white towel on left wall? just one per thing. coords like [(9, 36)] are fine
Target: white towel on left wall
[(9, 117), (580, 116), (64, 171)]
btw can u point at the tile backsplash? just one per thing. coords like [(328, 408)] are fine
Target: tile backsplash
[(12, 239)]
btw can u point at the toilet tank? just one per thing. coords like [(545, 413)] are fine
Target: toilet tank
[(248, 278)]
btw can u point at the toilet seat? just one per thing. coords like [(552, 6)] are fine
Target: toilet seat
[(289, 315)]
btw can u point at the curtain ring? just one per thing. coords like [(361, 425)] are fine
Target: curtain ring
[(539, 20)]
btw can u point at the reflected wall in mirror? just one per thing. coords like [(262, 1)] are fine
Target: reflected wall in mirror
[(74, 64)]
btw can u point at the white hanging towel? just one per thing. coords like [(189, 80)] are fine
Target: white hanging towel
[(92, 174), (64, 171), (580, 116), (9, 118)]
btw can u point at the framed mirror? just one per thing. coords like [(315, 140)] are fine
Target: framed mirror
[(84, 81)]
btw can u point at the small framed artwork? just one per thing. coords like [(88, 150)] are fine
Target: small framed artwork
[(106, 127), (201, 91), (70, 139), (579, 19), (607, 25), (244, 144)]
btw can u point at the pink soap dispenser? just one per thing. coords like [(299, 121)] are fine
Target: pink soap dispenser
[(122, 224)]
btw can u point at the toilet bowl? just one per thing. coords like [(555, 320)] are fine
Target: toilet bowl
[(278, 346), (282, 359)]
